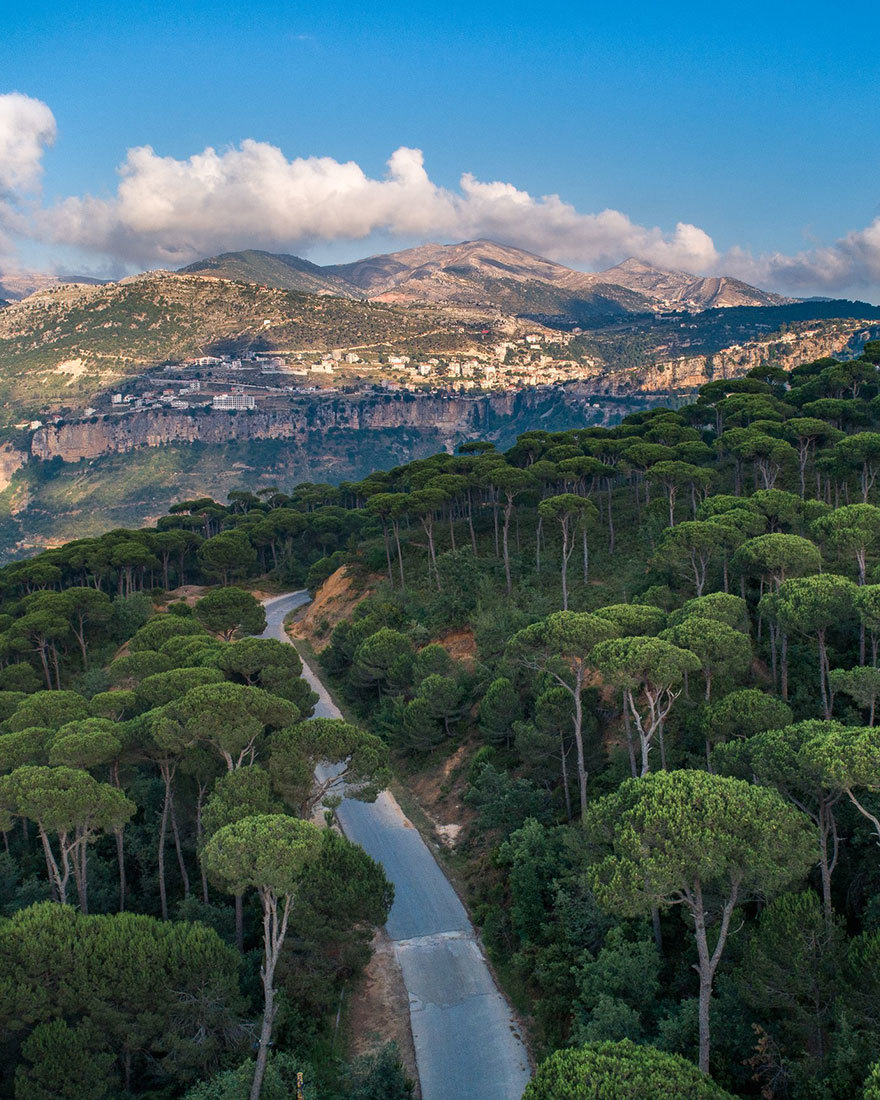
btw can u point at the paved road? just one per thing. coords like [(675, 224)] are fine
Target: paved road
[(466, 1040)]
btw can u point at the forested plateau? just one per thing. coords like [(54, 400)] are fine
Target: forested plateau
[(627, 677)]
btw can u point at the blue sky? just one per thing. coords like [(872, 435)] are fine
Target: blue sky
[(755, 123)]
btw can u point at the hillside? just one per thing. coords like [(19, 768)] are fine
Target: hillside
[(281, 271)]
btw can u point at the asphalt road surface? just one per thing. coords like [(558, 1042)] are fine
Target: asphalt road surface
[(466, 1041)]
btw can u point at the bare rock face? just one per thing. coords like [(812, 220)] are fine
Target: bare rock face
[(488, 274), (452, 417), (11, 460)]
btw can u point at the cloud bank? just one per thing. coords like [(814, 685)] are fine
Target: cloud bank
[(170, 211), (167, 211), (27, 128)]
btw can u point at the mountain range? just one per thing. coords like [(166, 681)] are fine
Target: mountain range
[(484, 274), (481, 275)]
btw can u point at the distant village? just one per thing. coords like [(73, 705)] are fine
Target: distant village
[(234, 383)]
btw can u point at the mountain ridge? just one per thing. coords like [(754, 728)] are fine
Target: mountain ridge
[(486, 274)]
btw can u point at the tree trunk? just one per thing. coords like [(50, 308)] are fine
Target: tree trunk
[(823, 660), (470, 518), (273, 938), (579, 742), (784, 666), (826, 865), (387, 553), (703, 1015), (565, 567), (610, 519), (80, 865), (564, 756), (120, 863), (708, 962), (508, 511), (630, 746), (199, 803), (180, 860), (586, 556), (163, 829), (658, 930)]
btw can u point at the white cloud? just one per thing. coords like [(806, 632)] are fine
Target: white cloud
[(849, 265), (27, 127), (169, 211)]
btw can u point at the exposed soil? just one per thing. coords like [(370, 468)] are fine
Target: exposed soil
[(439, 791), (460, 646), (189, 593), (378, 1011), (334, 601)]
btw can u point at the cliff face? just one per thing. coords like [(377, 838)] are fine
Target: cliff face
[(451, 417), (11, 460), (685, 374)]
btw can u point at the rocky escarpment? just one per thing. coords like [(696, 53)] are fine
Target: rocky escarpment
[(685, 374), (451, 417), (11, 459)]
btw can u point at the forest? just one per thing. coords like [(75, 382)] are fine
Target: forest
[(667, 730)]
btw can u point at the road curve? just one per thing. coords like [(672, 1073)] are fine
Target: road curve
[(466, 1040)]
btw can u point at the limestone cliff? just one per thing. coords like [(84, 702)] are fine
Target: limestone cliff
[(11, 460), (452, 417)]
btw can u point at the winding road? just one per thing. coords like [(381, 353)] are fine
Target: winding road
[(466, 1040)]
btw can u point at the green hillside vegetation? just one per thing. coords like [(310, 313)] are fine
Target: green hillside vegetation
[(667, 737)]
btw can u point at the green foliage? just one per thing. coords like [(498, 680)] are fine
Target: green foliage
[(500, 708), (744, 713), (50, 709), (278, 1084), (227, 610), (160, 628), (617, 989), (123, 978), (671, 831), (790, 976), (619, 1071), (65, 1063), (266, 852)]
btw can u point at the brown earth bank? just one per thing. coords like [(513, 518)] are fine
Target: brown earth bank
[(378, 1008), (334, 601)]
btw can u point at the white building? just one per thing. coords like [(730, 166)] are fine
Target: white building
[(233, 401)]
